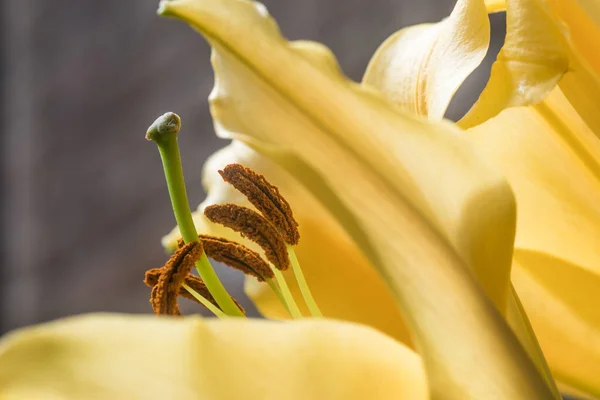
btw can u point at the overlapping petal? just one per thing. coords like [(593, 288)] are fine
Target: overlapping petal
[(420, 68), (342, 281), (533, 59), (562, 301), (102, 357), (425, 188), (551, 156), (552, 159)]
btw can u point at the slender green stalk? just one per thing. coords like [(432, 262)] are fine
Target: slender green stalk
[(214, 309), (164, 133), (304, 289), (278, 293), (287, 295)]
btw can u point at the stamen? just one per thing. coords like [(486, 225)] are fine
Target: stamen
[(250, 262), (265, 197), (164, 294), (236, 256), (193, 282), (253, 226)]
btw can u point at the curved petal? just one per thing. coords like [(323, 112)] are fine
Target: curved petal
[(495, 5), (414, 187), (552, 160), (581, 83), (421, 67), (144, 357), (580, 17), (334, 267), (584, 32), (533, 59), (562, 301)]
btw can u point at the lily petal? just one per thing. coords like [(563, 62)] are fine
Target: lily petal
[(583, 29), (533, 59), (562, 301), (579, 21), (143, 357), (344, 284), (421, 67), (552, 160), (413, 186)]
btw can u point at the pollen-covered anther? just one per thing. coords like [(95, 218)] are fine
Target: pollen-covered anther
[(253, 226), (236, 256), (194, 282), (265, 197), (168, 286)]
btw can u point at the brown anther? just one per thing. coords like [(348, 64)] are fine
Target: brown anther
[(253, 226), (236, 256), (167, 288), (265, 197), (195, 283)]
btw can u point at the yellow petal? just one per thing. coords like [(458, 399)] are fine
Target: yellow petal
[(583, 31), (592, 8), (420, 68), (495, 5), (402, 188), (581, 86), (552, 161), (335, 269), (143, 357), (562, 301), (531, 62), (579, 23)]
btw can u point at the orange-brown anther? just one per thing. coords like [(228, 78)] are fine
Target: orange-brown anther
[(253, 226), (166, 290), (265, 197), (236, 256)]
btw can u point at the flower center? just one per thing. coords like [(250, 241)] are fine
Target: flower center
[(273, 228)]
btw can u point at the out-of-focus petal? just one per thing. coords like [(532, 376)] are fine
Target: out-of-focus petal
[(495, 5), (562, 301), (581, 86), (419, 68), (116, 357), (552, 160), (344, 284), (534, 57), (411, 194), (583, 31)]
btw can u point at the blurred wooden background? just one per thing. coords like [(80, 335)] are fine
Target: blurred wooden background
[(84, 199)]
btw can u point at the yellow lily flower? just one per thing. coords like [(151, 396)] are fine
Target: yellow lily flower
[(428, 213), (323, 139), (419, 69)]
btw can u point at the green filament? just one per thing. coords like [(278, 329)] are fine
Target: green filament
[(288, 299), (214, 309), (277, 291), (304, 289)]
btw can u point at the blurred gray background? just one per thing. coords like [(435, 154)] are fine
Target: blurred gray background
[(84, 201)]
